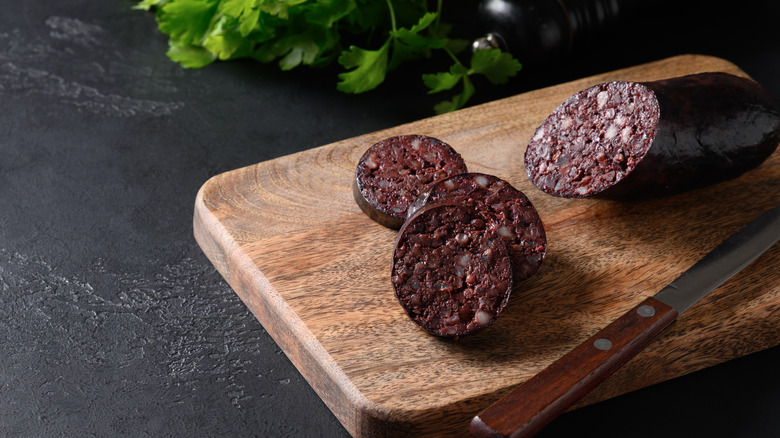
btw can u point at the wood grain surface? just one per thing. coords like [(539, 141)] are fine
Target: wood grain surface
[(290, 240)]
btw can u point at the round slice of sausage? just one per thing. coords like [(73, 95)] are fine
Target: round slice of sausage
[(391, 174), (508, 210), (451, 272), (645, 139)]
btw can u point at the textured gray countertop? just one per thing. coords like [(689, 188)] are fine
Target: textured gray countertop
[(113, 322)]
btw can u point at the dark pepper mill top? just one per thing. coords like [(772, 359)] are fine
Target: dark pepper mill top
[(541, 31)]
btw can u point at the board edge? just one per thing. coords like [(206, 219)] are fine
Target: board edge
[(359, 415)]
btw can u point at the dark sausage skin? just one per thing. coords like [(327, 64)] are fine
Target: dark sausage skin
[(508, 210), (636, 140), (393, 172), (451, 273)]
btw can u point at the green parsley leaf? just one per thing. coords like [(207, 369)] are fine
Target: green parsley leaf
[(426, 20), (370, 67), (245, 11), (418, 41), (316, 32), (147, 5), (236, 8), (440, 81), (301, 49), (224, 41), (328, 12), (187, 20), (190, 56), (458, 101), (445, 80), (249, 21), (296, 49), (280, 9), (496, 65), (409, 44)]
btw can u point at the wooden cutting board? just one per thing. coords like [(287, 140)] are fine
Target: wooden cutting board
[(289, 239)]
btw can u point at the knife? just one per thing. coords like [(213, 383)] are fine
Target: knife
[(539, 400)]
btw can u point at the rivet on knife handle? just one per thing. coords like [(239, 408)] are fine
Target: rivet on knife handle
[(539, 400)]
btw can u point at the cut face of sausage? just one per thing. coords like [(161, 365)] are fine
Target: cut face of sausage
[(593, 140), (451, 272), (650, 139), (509, 213), (391, 174)]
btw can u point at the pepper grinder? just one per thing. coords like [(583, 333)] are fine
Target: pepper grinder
[(538, 32)]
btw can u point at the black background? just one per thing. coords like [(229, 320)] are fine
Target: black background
[(113, 322)]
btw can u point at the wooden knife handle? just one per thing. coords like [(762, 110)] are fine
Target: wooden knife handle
[(535, 403)]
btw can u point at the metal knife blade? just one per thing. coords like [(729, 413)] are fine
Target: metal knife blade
[(728, 258), (532, 405)]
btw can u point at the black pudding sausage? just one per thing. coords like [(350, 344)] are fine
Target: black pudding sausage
[(647, 139), (508, 210), (392, 173), (451, 272)]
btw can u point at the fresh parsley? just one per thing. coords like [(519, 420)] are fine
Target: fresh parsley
[(368, 38)]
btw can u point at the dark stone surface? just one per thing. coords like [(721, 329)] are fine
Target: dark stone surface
[(113, 323)]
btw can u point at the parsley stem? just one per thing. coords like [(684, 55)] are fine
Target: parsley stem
[(448, 51), (438, 17), (392, 14)]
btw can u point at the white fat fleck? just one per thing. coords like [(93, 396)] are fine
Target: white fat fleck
[(612, 132), (481, 181), (582, 190), (621, 120), (415, 143), (504, 231), (482, 317), (625, 134), (462, 238), (566, 122), (463, 259), (539, 134), (449, 184), (602, 98), (430, 157), (544, 151), (372, 161)]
